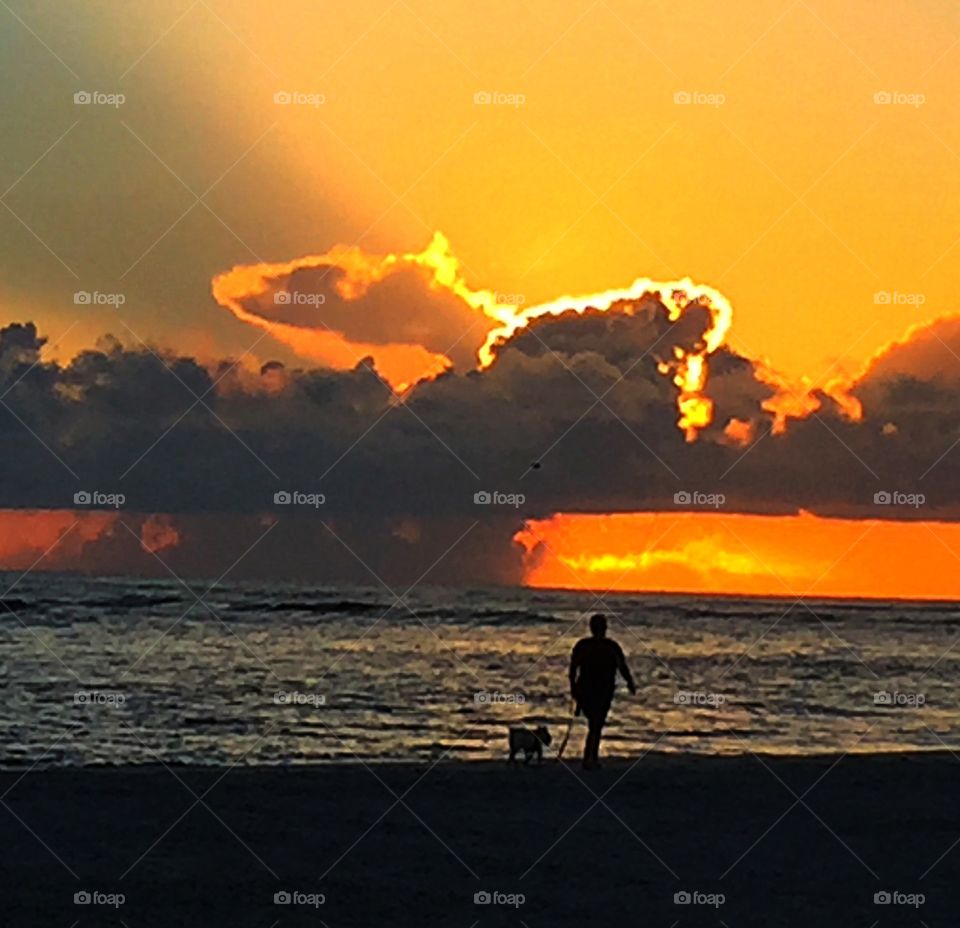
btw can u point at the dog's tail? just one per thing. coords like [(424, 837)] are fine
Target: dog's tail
[(566, 735)]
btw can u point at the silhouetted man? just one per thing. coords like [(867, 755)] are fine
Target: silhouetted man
[(594, 663)]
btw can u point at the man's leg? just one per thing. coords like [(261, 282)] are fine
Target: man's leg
[(591, 746), (598, 720)]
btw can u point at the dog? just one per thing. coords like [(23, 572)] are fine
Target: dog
[(530, 741)]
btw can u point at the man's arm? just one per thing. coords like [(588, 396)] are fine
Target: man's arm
[(625, 670)]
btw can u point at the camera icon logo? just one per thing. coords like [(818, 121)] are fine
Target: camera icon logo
[(282, 498), (682, 498), (282, 297), (283, 98), (482, 498), (682, 97), (882, 498), (82, 898), (882, 898), (82, 298), (282, 898), (482, 898), (883, 97), (882, 698), (82, 98), (482, 97), (681, 898), (82, 498)]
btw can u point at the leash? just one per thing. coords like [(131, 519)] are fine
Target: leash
[(566, 737)]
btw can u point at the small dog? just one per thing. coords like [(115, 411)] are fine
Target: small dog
[(530, 741)]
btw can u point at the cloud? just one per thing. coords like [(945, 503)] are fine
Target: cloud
[(60, 539), (158, 532), (416, 316), (577, 412), (412, 313)]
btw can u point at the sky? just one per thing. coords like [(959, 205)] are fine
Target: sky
[(798, 158)]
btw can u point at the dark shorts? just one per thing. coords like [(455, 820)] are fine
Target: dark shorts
[(595, 706)]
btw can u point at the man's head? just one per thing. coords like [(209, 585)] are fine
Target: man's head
[(598, 625)]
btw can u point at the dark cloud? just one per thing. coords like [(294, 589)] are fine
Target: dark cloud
[(574, 415), (400, 309), (325, 305)]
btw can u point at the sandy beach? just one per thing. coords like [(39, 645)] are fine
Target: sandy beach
[(751, 840)]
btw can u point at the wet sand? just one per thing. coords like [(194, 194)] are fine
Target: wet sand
[(763, 841)]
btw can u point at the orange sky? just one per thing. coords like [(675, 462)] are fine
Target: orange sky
[(48, 539), (790, 197), (793, 197), (722, 553), (756, 555)]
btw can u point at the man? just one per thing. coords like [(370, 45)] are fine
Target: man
[(594, 663)]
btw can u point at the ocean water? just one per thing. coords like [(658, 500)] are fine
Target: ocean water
[(143, 671)]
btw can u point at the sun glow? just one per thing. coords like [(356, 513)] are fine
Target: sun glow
[(687, 370), (794, 555)]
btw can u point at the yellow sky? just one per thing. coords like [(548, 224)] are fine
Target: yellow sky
[(798, 196)]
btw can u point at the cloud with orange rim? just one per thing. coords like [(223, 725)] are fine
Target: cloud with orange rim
[(595, 405)]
